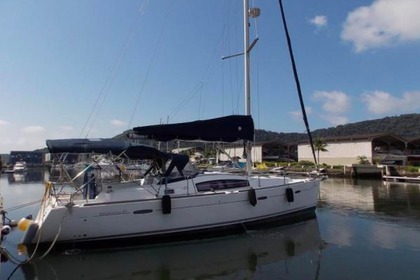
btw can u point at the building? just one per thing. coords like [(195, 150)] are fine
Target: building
[(261, 152), (375, 148), (30, 157)]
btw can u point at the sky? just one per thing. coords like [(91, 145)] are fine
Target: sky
[(95, 68)]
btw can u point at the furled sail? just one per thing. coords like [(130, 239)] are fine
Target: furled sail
[(225, 129)]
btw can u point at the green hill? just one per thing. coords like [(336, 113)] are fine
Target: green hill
[(406, 126)]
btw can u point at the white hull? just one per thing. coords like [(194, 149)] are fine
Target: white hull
[(20, 167), (133, 212)]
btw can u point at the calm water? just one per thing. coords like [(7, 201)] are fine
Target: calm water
[(364, 230)]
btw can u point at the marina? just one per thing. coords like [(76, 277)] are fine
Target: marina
[(124, 207), (371, 218)]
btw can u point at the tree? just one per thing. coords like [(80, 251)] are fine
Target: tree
[(363, 160), (320, 146)]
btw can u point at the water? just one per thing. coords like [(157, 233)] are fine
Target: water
[(364, 229)]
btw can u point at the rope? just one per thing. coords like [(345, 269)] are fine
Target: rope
[(17, 261), (56, 236), (16, 207), (111, 77), (150, 64)]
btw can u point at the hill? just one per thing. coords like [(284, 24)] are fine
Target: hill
[(406, 126)]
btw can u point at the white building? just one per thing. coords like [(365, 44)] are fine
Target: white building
[(376, 148)]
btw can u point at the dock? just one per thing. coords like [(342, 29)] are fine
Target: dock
[(392, 175), (402, 179)]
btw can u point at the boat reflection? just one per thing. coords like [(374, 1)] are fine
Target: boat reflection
[(29, 176), (233, 256)]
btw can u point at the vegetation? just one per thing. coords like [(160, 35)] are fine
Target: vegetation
[(363, 160), (320, 146), (406, 126)]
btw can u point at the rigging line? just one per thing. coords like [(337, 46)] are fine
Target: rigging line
[(149, 67), (187, 99), (16, 207), (289, 44), (199, 87), (255, 21), (257, 85), (112, 75)]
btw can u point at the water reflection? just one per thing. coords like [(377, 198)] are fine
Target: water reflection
[(371, 213), (230, 257), (30, 176), (371, 228), (389, 199)]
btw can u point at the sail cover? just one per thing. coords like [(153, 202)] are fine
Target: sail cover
[(103, 146), (225, 129)]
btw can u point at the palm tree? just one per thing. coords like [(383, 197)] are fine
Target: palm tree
[(320, 146)]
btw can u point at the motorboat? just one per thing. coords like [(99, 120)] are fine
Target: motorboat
[(19, 167)]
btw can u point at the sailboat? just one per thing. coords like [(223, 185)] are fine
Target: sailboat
[(170, 200)]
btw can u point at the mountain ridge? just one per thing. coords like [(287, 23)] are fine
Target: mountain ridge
[(406, 126)]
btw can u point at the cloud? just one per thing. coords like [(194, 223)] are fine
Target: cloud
[(3, 123), (298, 114), (335, 119), (383, 23), (319, 21), (334, 105), (380, 102), (33, 129), (118, 123), (334, 102)]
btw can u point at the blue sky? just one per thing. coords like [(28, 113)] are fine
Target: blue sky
[(95, 68)]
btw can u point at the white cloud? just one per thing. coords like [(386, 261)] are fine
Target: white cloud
[(33, 129), (298, 114), (335, 119), (118, 123), (319, 21), (380, 102), (334, 102), (383, 23), (3, 123), (334, 105)]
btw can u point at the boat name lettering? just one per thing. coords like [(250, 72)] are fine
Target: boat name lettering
[(122, 212)]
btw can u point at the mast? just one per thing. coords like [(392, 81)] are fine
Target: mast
[(246, 59), (254, 12), (247, 82)]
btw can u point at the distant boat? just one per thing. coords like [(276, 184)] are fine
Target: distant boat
[(19, 167)]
